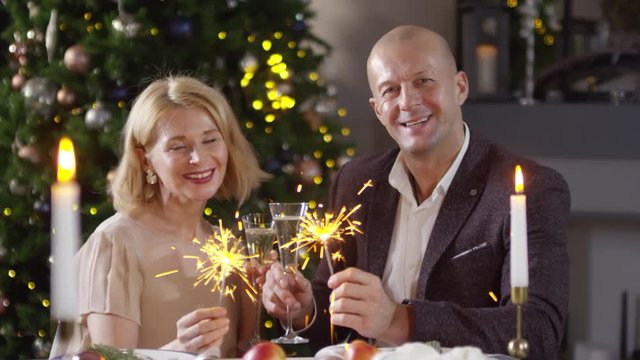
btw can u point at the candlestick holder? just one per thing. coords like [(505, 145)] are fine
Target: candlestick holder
[(519, 347)]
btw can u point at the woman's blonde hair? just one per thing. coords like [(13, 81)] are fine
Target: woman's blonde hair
[(129, 188)]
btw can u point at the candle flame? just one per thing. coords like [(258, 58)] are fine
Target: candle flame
[(66, 160), (519, 180)]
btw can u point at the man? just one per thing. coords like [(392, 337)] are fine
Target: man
[(435, 243)]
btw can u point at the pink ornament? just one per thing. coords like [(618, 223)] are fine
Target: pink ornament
[(76, 59), (17, 81)]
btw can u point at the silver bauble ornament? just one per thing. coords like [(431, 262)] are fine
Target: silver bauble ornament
[(17, 81), (4, 304), (66, 97), (41, 348), (126, 24), (16, 188), (249, 63), (77, 59), (97, 116), (39, 94)]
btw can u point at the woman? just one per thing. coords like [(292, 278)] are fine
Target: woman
[(182, 147)]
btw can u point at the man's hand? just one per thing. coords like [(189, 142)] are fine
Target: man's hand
[(283, 288), (359, 302)]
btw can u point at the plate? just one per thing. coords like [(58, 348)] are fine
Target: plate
[(153, 354)]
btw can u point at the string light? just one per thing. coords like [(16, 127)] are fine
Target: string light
[(323, 129), (41, 333), (268, 130), (292, 45), (257, 104), (512, 3), (266, 45), (251, 38), (345, 131), (98, 26), (342, 112), (12, 273), (317, 180), (351, 151), (277, 35), (208, 211), (549, 40), (312, 204), (154, 31), (31, 285), (93, 211), (270, 84), (301, 53), (122, 104), (7, 212), (248, 124), (87, 16), (327, 138), (222, 35), (330, 163), (313, 76), (46, 303), (317, 154), (269, 118)]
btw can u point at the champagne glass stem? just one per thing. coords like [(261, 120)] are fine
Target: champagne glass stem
[(289, 331)]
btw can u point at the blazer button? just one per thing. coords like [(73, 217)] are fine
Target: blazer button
[(473, 192)]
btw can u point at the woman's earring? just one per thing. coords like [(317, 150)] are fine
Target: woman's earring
[(152, 178)]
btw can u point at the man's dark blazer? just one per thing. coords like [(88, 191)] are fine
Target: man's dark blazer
[(468, 253)]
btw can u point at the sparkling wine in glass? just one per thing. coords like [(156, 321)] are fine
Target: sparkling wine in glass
[(286, 221), (260, 236)]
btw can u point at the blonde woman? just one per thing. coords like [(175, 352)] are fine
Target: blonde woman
[(182, 147)]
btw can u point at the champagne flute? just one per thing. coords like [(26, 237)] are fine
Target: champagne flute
[(260, 236), (286, 221)]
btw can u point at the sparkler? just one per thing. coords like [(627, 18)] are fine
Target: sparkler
[(225, 255), (316, 232)]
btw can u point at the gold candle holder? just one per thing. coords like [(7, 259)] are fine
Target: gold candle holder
[(519, 347)]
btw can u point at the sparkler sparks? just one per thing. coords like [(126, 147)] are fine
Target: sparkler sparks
[(369, 183), (225, 254), (316, 232)]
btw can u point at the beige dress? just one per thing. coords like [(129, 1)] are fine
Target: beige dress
[(119, 271)]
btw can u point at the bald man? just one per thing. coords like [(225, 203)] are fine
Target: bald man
[(433, 260)]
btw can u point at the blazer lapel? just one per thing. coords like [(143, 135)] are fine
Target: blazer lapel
[(381, 217), (462, 196)]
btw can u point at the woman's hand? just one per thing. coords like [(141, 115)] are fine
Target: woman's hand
[(201, 330)]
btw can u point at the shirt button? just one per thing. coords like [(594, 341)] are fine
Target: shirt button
[(473, 192)]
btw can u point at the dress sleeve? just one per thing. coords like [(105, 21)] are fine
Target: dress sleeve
[(109, 276)]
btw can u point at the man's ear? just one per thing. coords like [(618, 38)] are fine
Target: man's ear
[(373, 103), (462, 87)]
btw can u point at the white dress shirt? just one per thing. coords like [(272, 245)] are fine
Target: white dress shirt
[(413, 227)]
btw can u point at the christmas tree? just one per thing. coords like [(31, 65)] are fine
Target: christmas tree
[(73, 67)]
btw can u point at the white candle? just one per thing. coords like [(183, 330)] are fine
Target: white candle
[(487, 69), (519, 257), (65, 235)]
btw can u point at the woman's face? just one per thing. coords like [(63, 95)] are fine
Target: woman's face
[(189, 156)]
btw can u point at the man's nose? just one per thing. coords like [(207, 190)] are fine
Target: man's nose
[(409, 98)]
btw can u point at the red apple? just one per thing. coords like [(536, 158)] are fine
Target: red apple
[(265, 350), (359, 350)]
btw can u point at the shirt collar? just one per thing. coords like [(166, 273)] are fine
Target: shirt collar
[(399, 177)]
